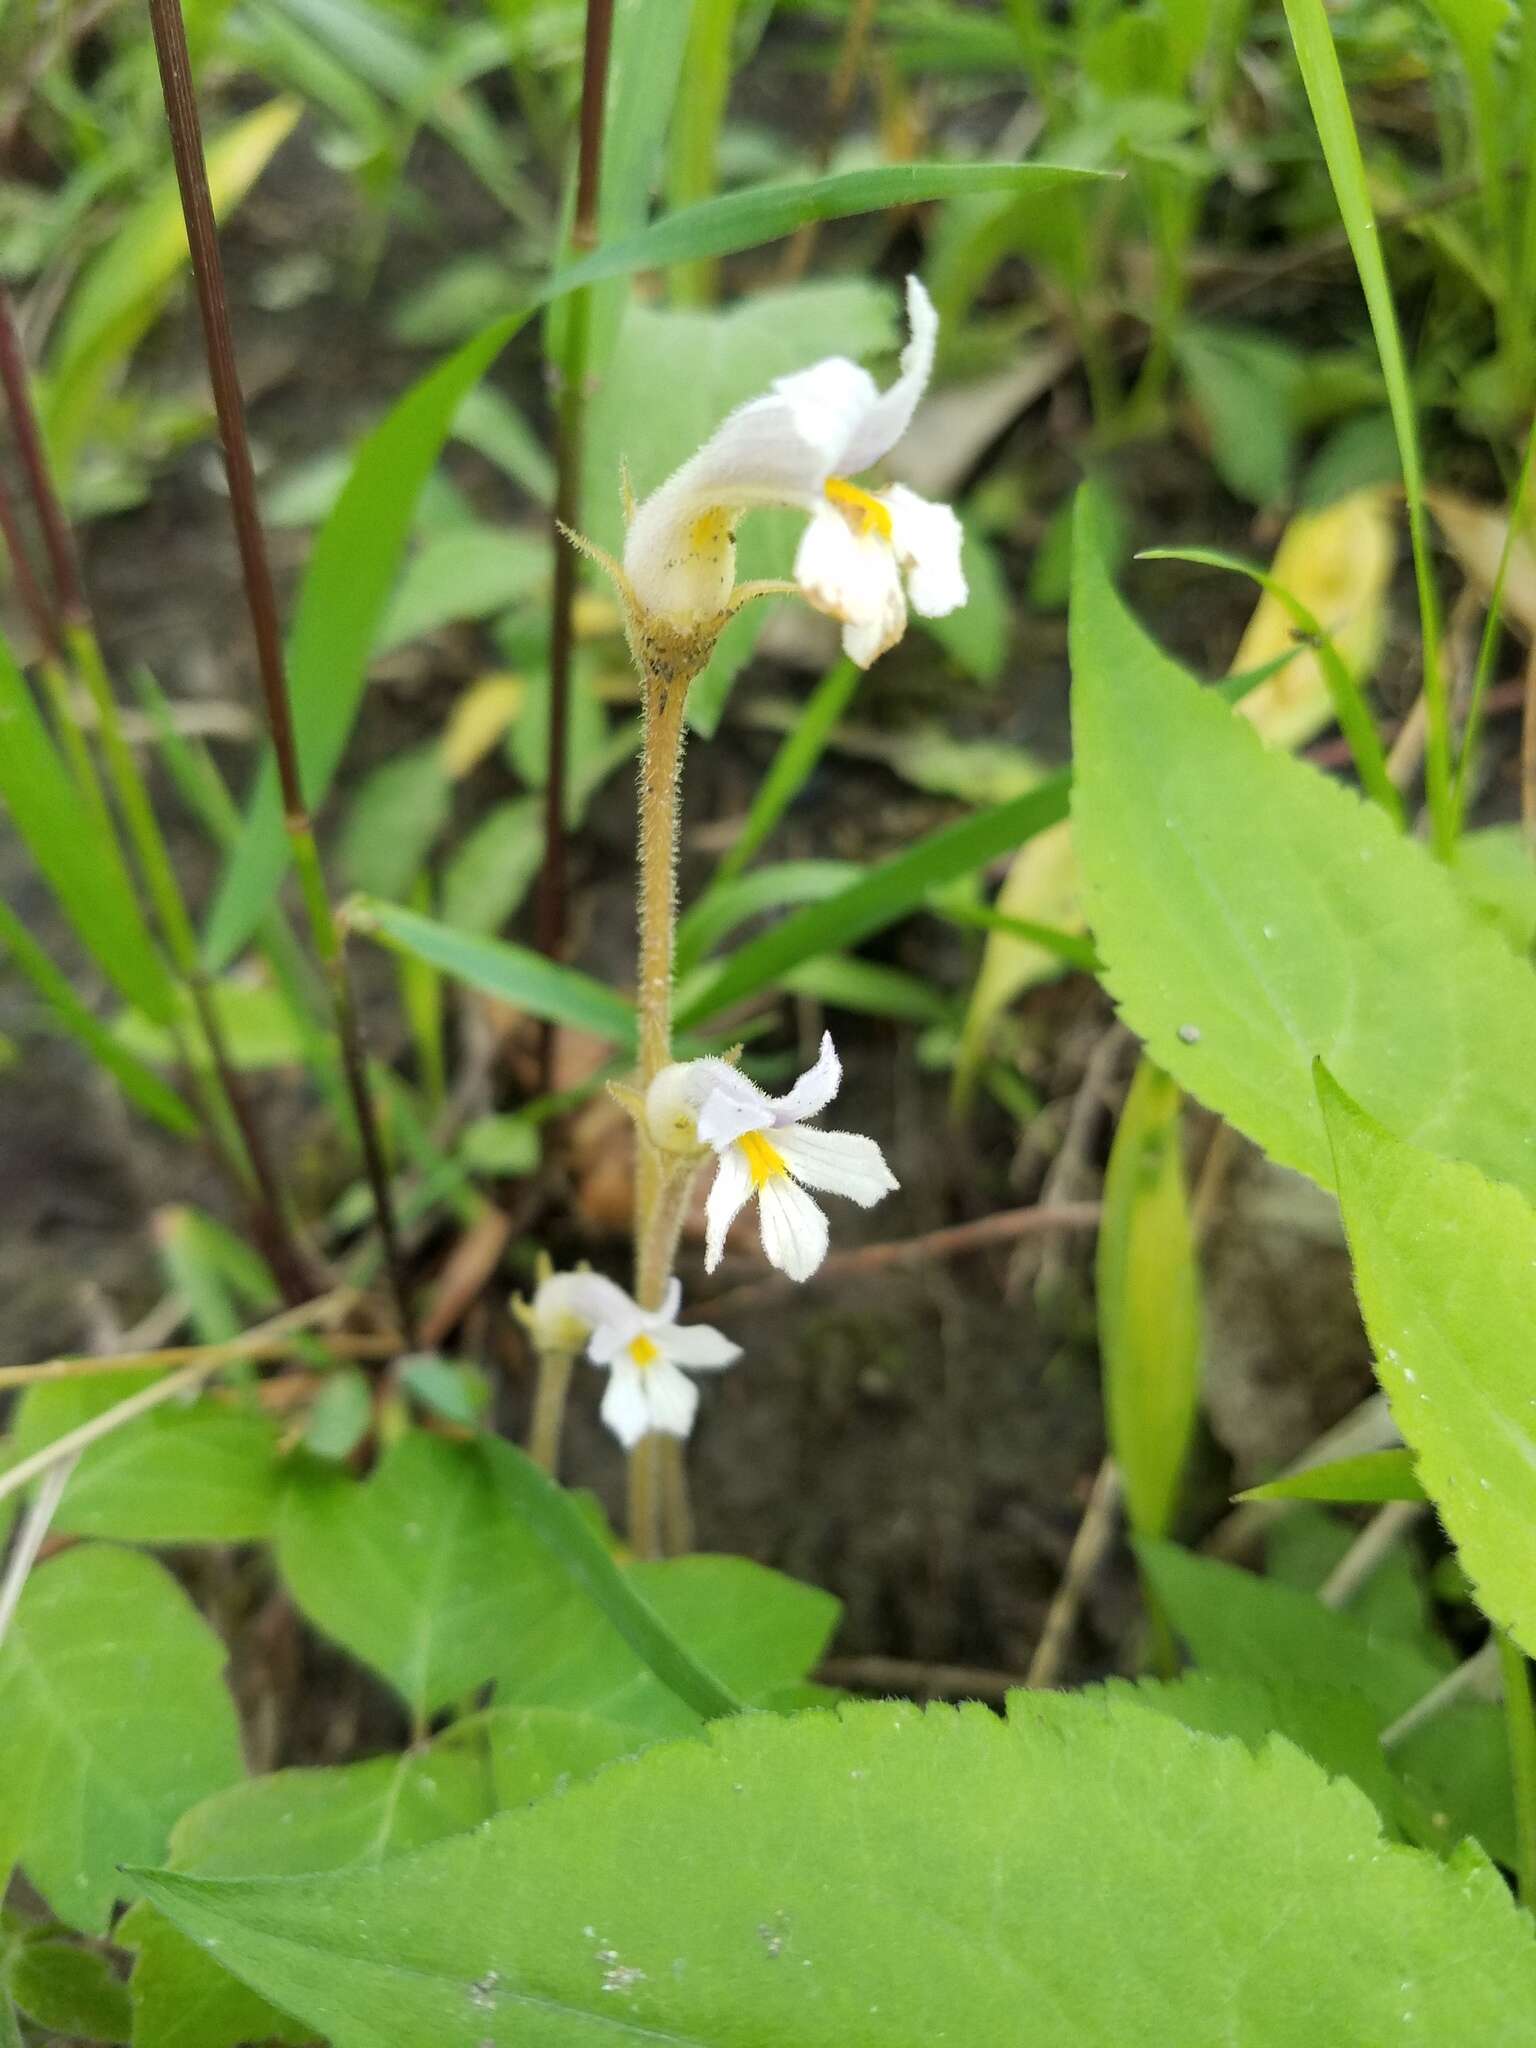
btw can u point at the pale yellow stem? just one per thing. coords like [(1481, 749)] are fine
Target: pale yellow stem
[(547, 1427), (645, 1497)]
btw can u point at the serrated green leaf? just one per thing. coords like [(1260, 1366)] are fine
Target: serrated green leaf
[(1148, 1287), (114, 1720), (884, 1875), (1372, 1477), (1253, 916), (206, 1472), (1445, 1267)]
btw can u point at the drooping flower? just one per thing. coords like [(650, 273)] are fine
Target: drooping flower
[(566, 1308), (767, 1148), (644, 1350), (864, 554)]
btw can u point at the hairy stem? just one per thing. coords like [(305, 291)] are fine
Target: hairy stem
[(549, 1397)]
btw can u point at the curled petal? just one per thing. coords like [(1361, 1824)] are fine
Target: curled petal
[(625, 1408), (889, 417), (671, 1397), (700, 1348), (814, 1089), (727, 1197), (838, 1162), (927, 539), (853, 577), (793, 1227), (671, 1302)]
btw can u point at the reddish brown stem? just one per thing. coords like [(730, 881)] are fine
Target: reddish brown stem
[(58, 540)]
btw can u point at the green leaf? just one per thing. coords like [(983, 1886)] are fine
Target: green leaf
[(757, 1631), (351, 573), (123, 289), (113, 1721), (762, 213), (1496, 872), (71, 1990), (394, 821), (75, 853), (207, 1473), (455, 1392), (515, 974), (470, 572), (500, 1145), (1237, 1624), (841, 982), (731, 903), (1445, 1266), (1372, 1477), (1148, 1285), (490, 873), (1246, 387), (886, 1875), (882, 894), (1253, 916), (339, 1419), (789, 771)]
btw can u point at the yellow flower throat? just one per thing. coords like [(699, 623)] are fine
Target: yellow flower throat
[(643, 1351), (863, 507), (764, 1161)]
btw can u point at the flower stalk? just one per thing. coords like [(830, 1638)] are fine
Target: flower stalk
[(170, 37)]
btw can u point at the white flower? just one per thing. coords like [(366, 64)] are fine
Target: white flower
[(766, 1148), (801, 444), (643, 1349), (566, 1308)]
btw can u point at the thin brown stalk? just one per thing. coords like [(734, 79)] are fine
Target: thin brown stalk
[(40, 616), (58, 540), (954, 1240), (171, 52), (573, 372)]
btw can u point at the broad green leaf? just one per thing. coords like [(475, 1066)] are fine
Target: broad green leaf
[(283, 1826), (123, 289), (1245, 386), (339, 1419), (71, 1991), (76, 854), (208, 1473), (886, 1875), (1372, 1477), (1445, 1267), (514, 974), (113, 1721), (755, 1629), (456, 1563), (258, 1022), (1240, 1625), (884, 893), (1497, 873), (1148, 1286), (351, 574), (1254, 916)]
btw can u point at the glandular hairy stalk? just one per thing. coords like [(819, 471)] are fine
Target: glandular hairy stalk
[(549, 1398)]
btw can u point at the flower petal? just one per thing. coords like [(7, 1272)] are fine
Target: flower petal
[(839, 1162), (794, 1229), (625, 1408), (671, 1302), (672, 1397), (853, 577), (927, 539), (814, 1089), (727, 1197), (889, 417), (700, 1347), (733, 1106)]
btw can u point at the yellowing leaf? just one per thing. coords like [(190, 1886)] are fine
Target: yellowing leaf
[(478, 720), (1476, 535), (1337, 563)]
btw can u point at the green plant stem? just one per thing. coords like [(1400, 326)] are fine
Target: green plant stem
[(170, 37), (1324, 82), (694, 168), (643, 1490), (549, 1398), (1520, 1726)]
